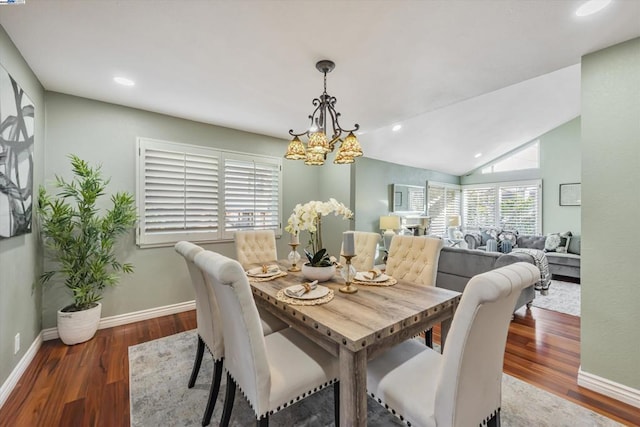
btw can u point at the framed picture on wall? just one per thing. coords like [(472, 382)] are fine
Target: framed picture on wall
[(570, 194)]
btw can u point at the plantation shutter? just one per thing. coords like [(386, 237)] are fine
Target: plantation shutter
[(443, 200), (179, 192), (519, 208), (479, 207), (251, 193), (436, 209)]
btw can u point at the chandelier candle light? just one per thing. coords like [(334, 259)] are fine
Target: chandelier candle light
[(319, 144)]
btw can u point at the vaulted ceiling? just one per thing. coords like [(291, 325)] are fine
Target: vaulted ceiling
[(461, 76)]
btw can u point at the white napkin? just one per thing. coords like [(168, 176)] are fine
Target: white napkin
[(372, 274), (265, 269), (299, 290)]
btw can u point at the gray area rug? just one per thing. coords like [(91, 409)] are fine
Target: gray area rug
[(159, 371), (563, 297)]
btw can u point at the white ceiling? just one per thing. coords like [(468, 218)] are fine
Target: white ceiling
[(461, 76)]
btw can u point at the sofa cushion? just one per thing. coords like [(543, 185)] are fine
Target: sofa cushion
[(508, 236), (574, 245), (531, 242), (571, 260)]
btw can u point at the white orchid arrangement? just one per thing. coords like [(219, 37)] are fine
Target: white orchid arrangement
[(309, 217)]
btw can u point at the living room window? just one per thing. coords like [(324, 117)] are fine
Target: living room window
[(506, 205), (443, 200), (201, 194)]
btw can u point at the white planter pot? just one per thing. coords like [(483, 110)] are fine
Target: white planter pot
[(321, 274), (78, 326)]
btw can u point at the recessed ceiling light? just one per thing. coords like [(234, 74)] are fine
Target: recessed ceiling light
[(592, 6), (124, 81), (477, 155), (396, 128)]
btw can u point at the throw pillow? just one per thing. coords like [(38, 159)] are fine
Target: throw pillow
[(557, 242), (492, 245), (488, 233), (574, 245), (508, 236), (552, 242)]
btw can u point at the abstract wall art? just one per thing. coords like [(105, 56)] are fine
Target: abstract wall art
[(16, 158)]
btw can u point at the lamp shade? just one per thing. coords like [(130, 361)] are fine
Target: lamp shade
[(453, 220), (389, 222)]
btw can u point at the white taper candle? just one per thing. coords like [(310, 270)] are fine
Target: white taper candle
[(348, 243)]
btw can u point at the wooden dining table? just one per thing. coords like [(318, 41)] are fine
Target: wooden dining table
[(356, 327)]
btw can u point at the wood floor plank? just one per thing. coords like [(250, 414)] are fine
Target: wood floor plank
[(88, 384)]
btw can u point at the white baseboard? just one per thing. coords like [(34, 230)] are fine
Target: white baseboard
[(609, 388), (136, 316), (17, 372)]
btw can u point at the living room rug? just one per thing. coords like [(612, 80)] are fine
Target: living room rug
[(563, 297), (159, 371)]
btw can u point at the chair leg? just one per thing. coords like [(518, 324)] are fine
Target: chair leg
[(428, 338), (263, 422), (495, 420), (197, 363), (228, 401), (336, 402), (213, 392)]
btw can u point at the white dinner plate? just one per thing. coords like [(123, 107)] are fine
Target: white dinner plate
[(318, 292), (360, 275), (257, 272)]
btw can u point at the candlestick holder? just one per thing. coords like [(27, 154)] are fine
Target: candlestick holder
[(348, 273), (294, 257)]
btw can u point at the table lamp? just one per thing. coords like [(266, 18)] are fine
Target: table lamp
[(453, 221), (389, 223)]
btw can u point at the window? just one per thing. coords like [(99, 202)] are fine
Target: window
[(508, 205), (200, 194), (443, 200), (525, 158)]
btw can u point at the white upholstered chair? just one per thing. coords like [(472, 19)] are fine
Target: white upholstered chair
[(272, 371), (209, 325), (255, 247), (462, 386), (415, 259), (366, 246)]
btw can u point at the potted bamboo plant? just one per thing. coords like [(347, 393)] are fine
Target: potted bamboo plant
[(80, 239)]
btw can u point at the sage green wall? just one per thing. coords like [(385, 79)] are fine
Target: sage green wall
[(372, 188), (560, 162), (105, 133), (20, 256), (335, 181), (610, 339)]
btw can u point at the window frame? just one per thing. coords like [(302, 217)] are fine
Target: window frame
[(497, 186), (150, 240)]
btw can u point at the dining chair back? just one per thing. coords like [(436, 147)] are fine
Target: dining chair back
[(272, 371), (255, 247), (462, 386), (366, 247), (414, 259), (208, 325)]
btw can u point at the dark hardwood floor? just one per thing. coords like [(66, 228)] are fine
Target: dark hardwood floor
[(88, 384)]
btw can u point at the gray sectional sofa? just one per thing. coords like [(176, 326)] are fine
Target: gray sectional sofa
[(560, 263), (457, 266)]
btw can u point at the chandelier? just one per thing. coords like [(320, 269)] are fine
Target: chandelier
[(319, 144)]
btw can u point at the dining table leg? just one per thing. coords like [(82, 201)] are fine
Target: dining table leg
[(353, 387)]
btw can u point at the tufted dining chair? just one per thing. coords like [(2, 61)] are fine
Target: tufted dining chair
[(209, 325), (272, 371), (463, 386), (415, 259), (255, 247), (366, 246)]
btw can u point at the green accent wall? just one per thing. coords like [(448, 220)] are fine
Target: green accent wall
[(372, 188), (106, 134), (560, 163), (610, 341), (20, 261)]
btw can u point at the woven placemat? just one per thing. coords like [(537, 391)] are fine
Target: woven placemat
[(280, 296), (389, 282), (266, 279)]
